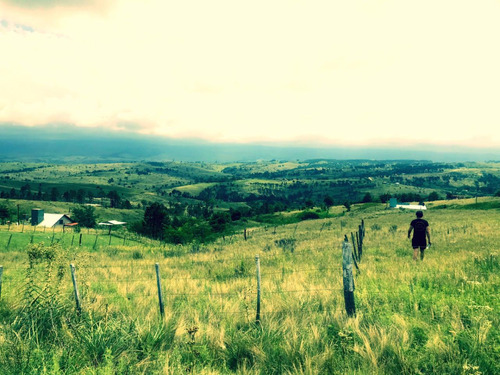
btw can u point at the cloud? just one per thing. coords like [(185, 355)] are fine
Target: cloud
[(51, 4), (351, 72)]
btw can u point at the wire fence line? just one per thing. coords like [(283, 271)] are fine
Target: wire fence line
[(122, 290)]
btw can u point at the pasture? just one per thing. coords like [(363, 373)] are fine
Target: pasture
[(437, 316)]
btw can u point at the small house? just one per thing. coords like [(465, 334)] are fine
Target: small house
[(42, 219), (393, 203)]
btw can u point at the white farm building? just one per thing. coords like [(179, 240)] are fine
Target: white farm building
[(41, 219)]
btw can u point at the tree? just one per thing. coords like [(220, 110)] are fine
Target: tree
[(347, 205), (367, 198), (4, 213), (54, 194), (309, 203), (219, 221), (155, 220), (384, 197), (434, 196), (328, 201), (115, 199), (85, 216)]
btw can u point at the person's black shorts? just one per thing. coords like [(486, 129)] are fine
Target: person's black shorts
[(418, 243)]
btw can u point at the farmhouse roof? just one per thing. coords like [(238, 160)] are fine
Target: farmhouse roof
[(49, 220), (113, 222), (411, 206)]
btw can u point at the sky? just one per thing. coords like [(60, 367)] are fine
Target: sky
[(310, 72)]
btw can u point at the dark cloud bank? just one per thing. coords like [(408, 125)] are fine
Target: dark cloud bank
[(67, 143)]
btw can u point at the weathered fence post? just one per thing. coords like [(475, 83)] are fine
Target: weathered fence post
[(1, 275), (160, 294), (348, 278), (95, 242), (80, 242), (245, 234), (77, 295), (360, 245), (257, 263), (354, 246), (8, 242), (72, 239), (109, 244), (361, 235)]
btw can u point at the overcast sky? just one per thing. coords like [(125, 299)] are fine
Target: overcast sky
[(348, 72)]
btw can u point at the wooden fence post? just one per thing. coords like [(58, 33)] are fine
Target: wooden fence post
[(354, 246), (348, 278), (72, 239), (360, 246), (8, 242), (245, 234), (95, 242), (160, 294), (257, 317), (1, 275), (109, 244), (77, 295), (80, 242)]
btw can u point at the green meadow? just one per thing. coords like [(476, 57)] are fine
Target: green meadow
[(436, 316)]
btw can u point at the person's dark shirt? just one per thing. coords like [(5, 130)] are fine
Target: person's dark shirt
[(419, 229)]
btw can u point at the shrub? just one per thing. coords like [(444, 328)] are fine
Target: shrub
[(308, 215)]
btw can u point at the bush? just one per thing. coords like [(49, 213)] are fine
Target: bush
[(308, 215)]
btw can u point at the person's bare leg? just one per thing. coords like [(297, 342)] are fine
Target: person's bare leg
[(415, 254)]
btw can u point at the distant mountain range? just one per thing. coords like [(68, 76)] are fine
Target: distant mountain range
[(67, 143)]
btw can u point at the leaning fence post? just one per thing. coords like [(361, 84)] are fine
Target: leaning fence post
[(360, 245), (354, 246), (257, 317), (1, 275), (8, 242), (160, 294), (77, 295), (80, 242), (348, 278)]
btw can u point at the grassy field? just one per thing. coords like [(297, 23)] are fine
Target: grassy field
[(438, 316)]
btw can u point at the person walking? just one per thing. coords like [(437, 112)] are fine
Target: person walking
[(421, 233)]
